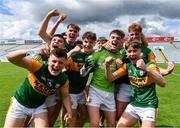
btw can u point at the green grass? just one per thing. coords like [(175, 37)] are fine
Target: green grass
[(169, 111)]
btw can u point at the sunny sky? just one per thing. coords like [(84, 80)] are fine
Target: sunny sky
[(22, 18)]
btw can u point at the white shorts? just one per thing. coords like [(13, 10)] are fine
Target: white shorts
[(102, 99), (145, 114), (16, 110), (124, 93), (53, 99), (78, 99)]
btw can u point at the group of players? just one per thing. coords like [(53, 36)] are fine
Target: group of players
[(95, 79)]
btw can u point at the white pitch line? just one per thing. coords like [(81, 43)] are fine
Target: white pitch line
[(176, 74)]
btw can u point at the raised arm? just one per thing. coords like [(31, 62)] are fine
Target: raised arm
[(109, 73), (111, 76), (152, 72), (43, 28), (19, 58), (168, 70), (59, 20)]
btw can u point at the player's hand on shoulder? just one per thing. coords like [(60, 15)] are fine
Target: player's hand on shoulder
[(43, 51), (77, 48)]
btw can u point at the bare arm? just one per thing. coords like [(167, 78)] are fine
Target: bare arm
[(154, 74), (168, 70), (111, 76), (66, 100), (60, 19), (43, 28), (74, 50), (19, 58)]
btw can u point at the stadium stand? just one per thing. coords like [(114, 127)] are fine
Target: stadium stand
[(168, 50), (11, 45)]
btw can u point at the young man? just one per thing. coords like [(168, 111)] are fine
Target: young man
[(54, 102), (143, 75), (77, 83), (43, 79), (135, 32), (123, 94), (72, 31), (100, 42), (101, 91)]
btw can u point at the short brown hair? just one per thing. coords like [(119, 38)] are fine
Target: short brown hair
[(118, 32), (89, 35), (75, 26), (102, 39), (134, 43), (58, 52)]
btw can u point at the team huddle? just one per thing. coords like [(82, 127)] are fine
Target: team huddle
[(103, 80)]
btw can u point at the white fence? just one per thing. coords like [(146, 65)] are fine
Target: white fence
[(168, 50)]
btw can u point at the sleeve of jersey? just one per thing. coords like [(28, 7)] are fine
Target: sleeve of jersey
[(91, 59), (69, 61), (154, 67), (64, 81), (123, 52), (35, 65), (151, 57), (66, 85), (120, 72)]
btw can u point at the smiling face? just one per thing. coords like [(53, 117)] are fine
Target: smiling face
[(135, 35), (57, 42), (101, 43), (56, 64), (135, 32), (88, 45), (115, 42), (71, 34)]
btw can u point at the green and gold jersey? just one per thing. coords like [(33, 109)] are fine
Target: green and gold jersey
[(99, 79), (38, 85), (143, 88), (77, 83), (123, 79), (70, 47), (37, 56), (147, 54)]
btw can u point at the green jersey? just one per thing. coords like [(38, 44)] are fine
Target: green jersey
[(38, 85), (77, 83), (143, 89), (99, 79), (147, 54), (70, 47)]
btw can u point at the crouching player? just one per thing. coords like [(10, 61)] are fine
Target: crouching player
[(143, 76), (43, 79)]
